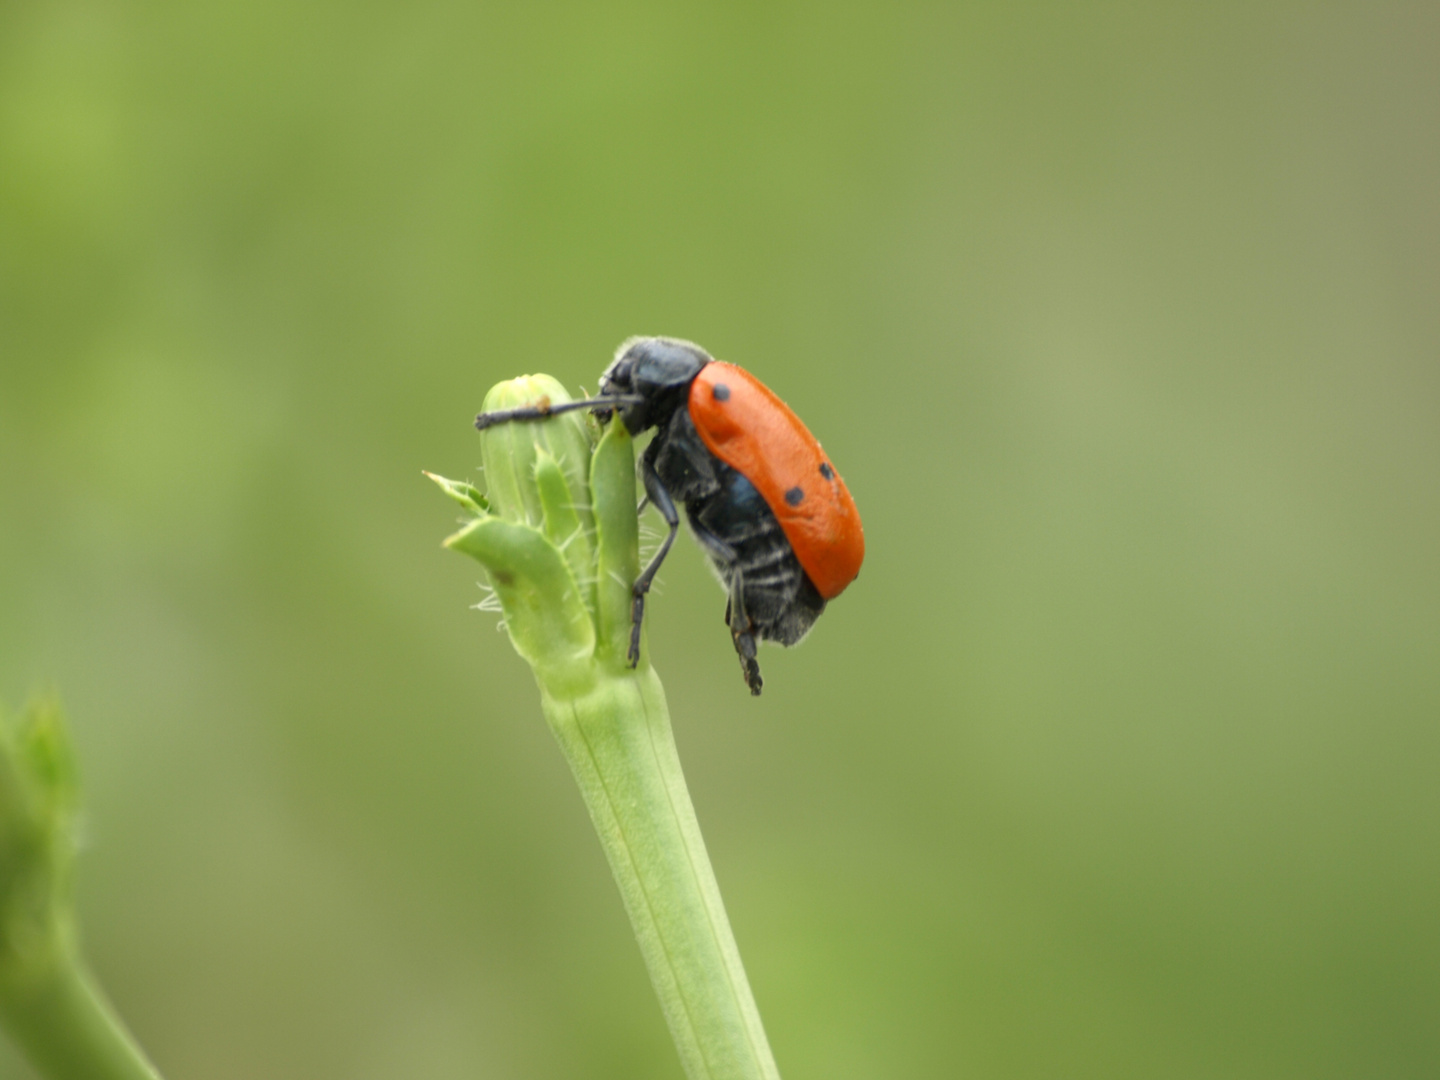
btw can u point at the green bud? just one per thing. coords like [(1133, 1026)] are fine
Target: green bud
[(49, 1003), (509, 451), (558, 534), (38, 809)]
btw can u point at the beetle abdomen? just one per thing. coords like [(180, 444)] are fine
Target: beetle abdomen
[(780, 598)]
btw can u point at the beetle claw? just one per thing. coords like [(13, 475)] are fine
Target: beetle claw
[(749, 667), (637, 616)]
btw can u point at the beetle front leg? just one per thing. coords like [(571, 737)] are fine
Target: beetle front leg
[(655, 492)]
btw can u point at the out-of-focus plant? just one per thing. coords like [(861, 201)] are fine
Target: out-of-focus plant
[(558, 533), (49, 1002)]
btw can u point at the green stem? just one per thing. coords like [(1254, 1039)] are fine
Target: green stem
[(618, 742), (67, 1029)]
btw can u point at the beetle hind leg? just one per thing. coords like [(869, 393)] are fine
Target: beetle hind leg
[(737, 618), (742, 632)]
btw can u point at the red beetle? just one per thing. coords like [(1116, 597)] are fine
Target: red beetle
[(763, 500)]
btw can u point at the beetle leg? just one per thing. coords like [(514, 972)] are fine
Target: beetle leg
[(736, 617), (740, 627), (655, 492)]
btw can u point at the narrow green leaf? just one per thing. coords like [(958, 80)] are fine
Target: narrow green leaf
[(617, 526), (467, 495), (547, 619), (563, 525)]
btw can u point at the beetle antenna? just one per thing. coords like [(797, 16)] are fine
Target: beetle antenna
[(545, 409)]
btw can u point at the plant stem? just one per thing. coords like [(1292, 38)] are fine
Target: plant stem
[(61, 1020), (559, 535), (619, 744)]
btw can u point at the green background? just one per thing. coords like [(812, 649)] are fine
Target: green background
[(1121, 321)]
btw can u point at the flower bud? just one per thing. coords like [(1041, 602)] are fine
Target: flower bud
[(509, 451), (557, 530)]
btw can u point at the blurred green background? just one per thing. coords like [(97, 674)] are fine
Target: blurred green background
[(1120, 320)]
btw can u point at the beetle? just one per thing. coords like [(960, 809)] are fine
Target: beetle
[(763, 501)]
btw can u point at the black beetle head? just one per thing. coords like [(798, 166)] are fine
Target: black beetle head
[(656, 369)]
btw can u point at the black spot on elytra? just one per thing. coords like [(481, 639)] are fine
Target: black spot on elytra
[(721, 392), (794, 496), (825, 470)]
